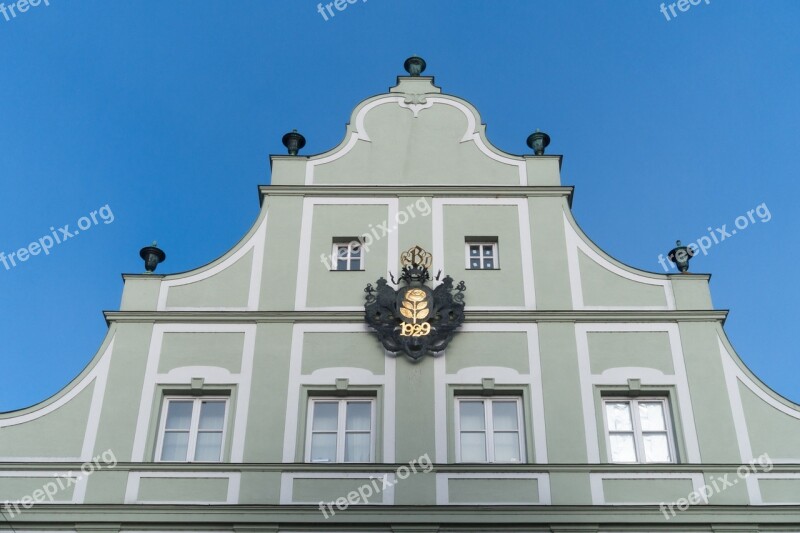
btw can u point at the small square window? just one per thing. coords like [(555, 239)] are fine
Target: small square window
[(489, 430), (347, 255), (482, 255), (638, 430), (192, 429), (341, 430)]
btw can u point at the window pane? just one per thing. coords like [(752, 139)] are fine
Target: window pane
[(212, 415), (651, 415), (357, 447), (341, 252), (209, 446), (359, 415), (472, 417), (504, 415), (487, 250), (506, 447), (175, 446), (355, 251), (476, 264), (623, 450), (473, 447), (488, 263), (323, 448), (326, 415), (474, 251), (341, 264), (656, 448), (355, 264), (179, 415), (619, 416)]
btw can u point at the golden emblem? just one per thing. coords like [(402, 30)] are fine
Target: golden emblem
[(414, 307)]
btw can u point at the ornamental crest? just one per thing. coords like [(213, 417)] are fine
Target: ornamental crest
[(414, 318)]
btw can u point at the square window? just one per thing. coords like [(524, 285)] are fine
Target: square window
[(347, 254), (489, 430), (192, 429), (638, 431), (482, 255)]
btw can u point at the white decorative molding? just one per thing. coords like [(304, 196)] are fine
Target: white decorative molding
[(501, 375), (576, 243), (183, 376), (306, 256), (288, 478), (415, 105), (525, 249), (443, 487), (135, 478), (598, 494), (255, 244), (99, 376), (650, 378), (328, 376)]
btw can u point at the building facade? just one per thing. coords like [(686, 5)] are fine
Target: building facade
[(574, 392)]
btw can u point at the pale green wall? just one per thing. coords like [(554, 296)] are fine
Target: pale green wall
[(649, 349), (499, 287), (201, 349), (57, 434), (505, 349), (327, 288), (228, 288), (605, 288), (520, 491)]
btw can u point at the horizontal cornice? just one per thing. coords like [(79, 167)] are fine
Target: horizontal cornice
[(439, 468), (478, 191), (521, 316), (479, 517)]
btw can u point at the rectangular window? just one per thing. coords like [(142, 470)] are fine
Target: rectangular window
[(347, 255), (482, 255), (489, 430), (341, 431), (192, 429), (638, 430)]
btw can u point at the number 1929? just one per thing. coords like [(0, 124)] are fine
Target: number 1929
[(415, 330)]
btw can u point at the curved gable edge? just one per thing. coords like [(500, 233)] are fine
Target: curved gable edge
[(356, 131), (579, 241), (737, 374), (95, 372), (253, 241)]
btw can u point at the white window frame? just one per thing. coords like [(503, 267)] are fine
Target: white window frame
[(341, 421), (489, 426), (349, 244), (638, 433), (193, 426), (495, 254)]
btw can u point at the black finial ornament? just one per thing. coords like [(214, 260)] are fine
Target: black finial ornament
[(415, 319), (414, 66), (152, 255), (538, 141), (293, 142), (680, 255)]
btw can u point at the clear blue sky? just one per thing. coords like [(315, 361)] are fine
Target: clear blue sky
[(167, 111)]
